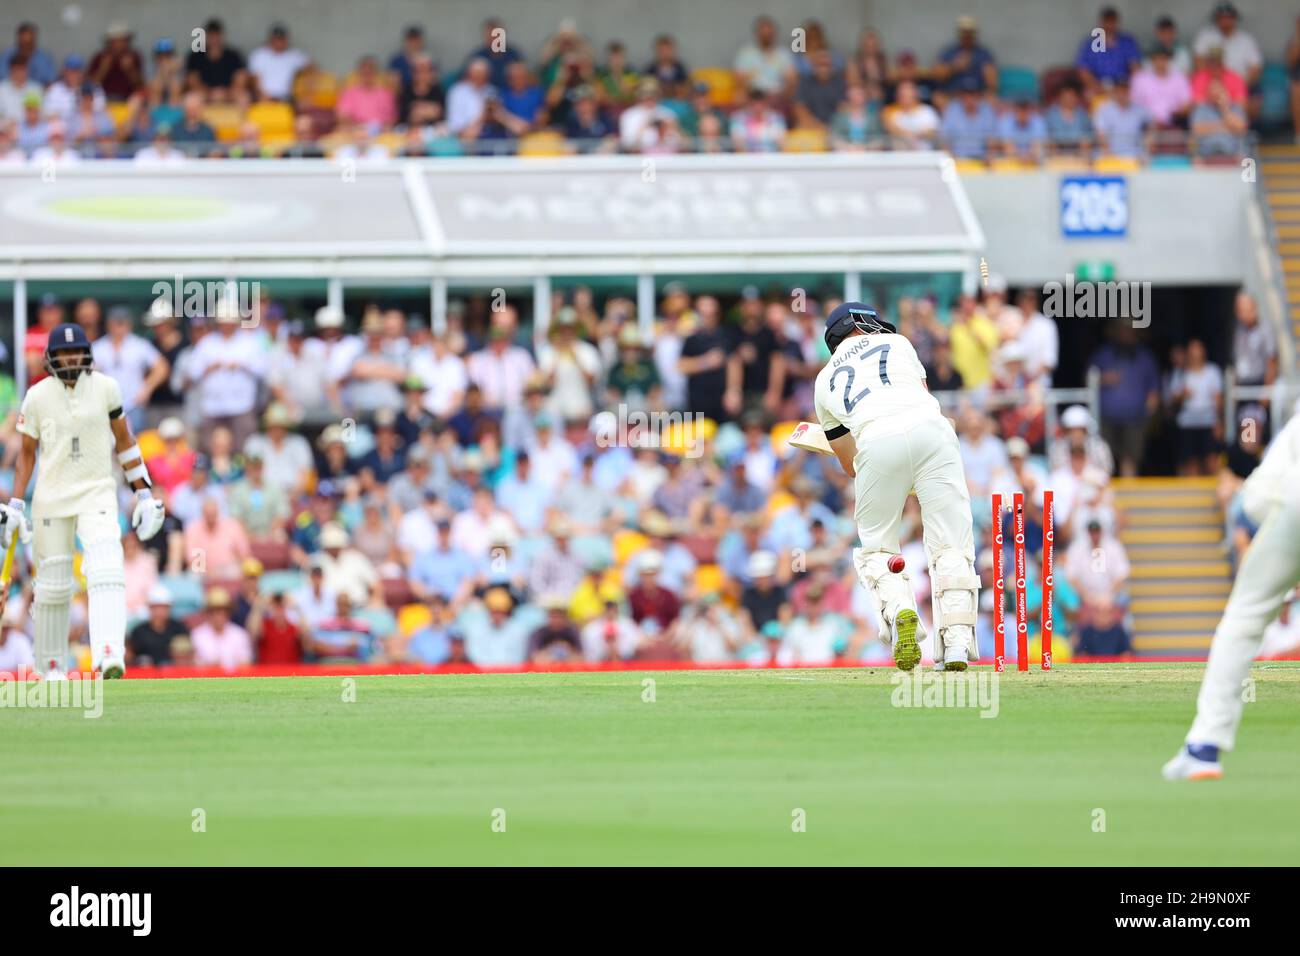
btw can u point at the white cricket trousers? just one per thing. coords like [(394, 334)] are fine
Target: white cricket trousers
[(1269, 569)]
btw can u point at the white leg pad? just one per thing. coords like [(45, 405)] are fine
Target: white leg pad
[(893, 592), (956, 598), (106, 599), (52, 608)]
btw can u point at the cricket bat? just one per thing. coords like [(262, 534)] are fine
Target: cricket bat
[(810, 437), (6, 573)]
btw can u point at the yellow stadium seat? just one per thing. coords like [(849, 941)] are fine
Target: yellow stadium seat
[(393, 142), (119, 113), (709, 579), (150, 444), (681, 437), (806, 141), (970, 167), (1067, 164), (1012, 164), (627, 544), (412, 617), (225, 119), (273, 120), (779, 435), (543, 143), (1117, 164), (779, 502), (720, 81), (316, 89)]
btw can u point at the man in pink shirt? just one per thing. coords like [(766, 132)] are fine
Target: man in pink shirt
[(219, 641), (367, 101), (1161, 90), (215, 545)]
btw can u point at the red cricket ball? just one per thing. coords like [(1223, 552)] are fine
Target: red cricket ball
[(896, 563)]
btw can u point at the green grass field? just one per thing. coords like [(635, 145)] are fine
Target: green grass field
[(711, 772)]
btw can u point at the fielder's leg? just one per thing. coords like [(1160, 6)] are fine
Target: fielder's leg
[(52, 543), (881, 489), (1269, 569), (105, 591), (948, 531)]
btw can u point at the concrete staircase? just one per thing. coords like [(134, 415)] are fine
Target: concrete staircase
[(1280, 177), (1180, 575)]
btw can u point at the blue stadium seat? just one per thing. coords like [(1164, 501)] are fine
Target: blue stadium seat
[(1017, 81), (278, 582), (186, 592), (1169, 161), (1275, 94)]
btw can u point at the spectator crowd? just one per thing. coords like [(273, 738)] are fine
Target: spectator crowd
[(789, 87)]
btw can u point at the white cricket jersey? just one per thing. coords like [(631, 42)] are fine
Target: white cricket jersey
[(76, 447), (869, 378), (1274, 478)]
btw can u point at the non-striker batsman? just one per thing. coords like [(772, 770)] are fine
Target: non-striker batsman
[(74, 418)]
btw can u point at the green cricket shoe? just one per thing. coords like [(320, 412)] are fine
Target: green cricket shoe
[(907, 650)]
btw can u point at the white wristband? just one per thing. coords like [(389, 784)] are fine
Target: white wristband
[(131, 454), (139, 471)]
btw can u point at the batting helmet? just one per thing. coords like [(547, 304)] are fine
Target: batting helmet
[(853, 316)]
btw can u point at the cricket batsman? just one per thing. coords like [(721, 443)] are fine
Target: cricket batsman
[(1268, 571), (74, 417), (890, 436)]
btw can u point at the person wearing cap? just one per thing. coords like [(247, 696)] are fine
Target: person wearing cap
[(227, 367), (56, 153), (62, 95), (260, 506), (441, 569), (1102, 60), (132, 361), (969, 123), (966, 60), (443, 373), (1120, 123), (286, 455), (524, 495), (648, 599), (501, 369), (313, 600), (388, 456), (1168, 40), (1097, 565), (1237, 48), (1160, 89), (497, 633), (347, 570), (556, 569), (764, 597), (175, 462), (299, 377), (16, 89), (611, 635), (219, 641), (33, 128), (150, 641), (556, 639), (40, 65), (117, 68), (274, 65), (218, 70), (569, 366)]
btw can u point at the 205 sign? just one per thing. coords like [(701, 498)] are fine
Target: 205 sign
[(1094, 206)]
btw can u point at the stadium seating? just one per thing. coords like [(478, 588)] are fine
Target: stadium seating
[(721, 83)]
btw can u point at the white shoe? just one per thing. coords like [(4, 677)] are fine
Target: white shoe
[(955, 656), (112, 668), (1184, 766)]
